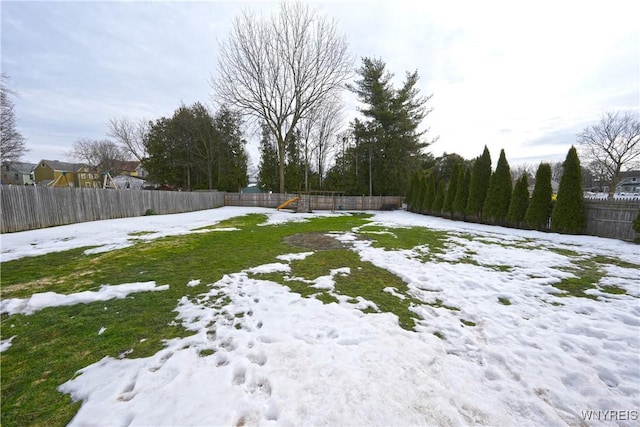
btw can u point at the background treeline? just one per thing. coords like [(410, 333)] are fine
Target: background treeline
[(471, 191), (197, 149), (374, 155)]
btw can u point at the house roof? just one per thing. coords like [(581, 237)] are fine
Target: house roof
[(62, 166), (24, 168), (630, 174)]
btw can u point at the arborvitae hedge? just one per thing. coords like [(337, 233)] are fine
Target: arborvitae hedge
[(412, 194), (519, 202), (452, 188), (479, 184), (430, 194), (421, 190), (568, 213), (496, 204), (539, 209), (462, 193), (439, 200)]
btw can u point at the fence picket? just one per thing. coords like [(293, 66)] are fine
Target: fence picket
[(29, 207)]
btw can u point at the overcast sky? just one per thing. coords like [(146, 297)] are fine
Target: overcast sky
[(525, 76)]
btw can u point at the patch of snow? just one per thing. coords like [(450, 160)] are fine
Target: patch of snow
[(101, 331), (42, 300), (393, 291), (294, 256), (5, 344), (270, 268), (271, 357), (194, 282), (328, 282)]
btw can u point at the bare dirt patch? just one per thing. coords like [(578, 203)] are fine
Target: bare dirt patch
[(316, 241)]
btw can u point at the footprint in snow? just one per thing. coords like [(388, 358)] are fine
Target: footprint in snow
[(257, 358), (161, 362), (239, 373)]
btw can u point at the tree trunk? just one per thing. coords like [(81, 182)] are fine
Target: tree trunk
[(281, 153)]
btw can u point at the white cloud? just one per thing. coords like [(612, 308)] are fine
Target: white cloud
[(537, 69)]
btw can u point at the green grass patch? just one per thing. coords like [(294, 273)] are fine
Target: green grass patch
[(504, 301), (439, 304), (52, 344), (364, 280), (588, 272), (612, 289), (406, 238), (467, 322), (140, 233)]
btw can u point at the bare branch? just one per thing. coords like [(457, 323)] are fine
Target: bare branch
[(611, 145), (12, 143), (278, 70), (131, 135)]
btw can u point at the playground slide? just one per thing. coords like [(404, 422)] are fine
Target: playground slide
[(287, 203)]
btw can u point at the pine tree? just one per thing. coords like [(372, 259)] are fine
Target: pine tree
[(496, 205), (268, 167), (388, 139), (413, 192), (568, 213), (519, 202), (439, 200), (539, 210), (479, 185), (452, 188), (462, 193)]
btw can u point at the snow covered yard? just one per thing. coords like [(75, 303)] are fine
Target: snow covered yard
[(512, 327)]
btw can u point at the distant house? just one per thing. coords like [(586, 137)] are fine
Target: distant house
[(54, 173), (17, 173), (555, 185), (133, 168), (629, 182), (88, 178), (128, 182)]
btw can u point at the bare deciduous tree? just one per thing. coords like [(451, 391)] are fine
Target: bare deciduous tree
[(131, 135), (612, 144), (278, 70), (12, 143), (101, 156), (328, 121)]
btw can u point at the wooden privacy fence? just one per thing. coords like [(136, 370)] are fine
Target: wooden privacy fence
[(316, 202), (31, 207), (611, 218)]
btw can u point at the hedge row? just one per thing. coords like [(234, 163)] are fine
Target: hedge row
[(480, 195)]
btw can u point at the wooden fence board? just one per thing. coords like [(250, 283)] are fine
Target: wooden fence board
[(31, 207)]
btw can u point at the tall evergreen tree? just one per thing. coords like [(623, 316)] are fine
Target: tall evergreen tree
[(421, 194), (430, 193), (268, 176), (519, 202), (480, 176), (294, 169), (388, 141), (462, 193), (439, 200), (452, 188), (496, 205), (195, 149), (568, 212), (539, 210), (413, 192)]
